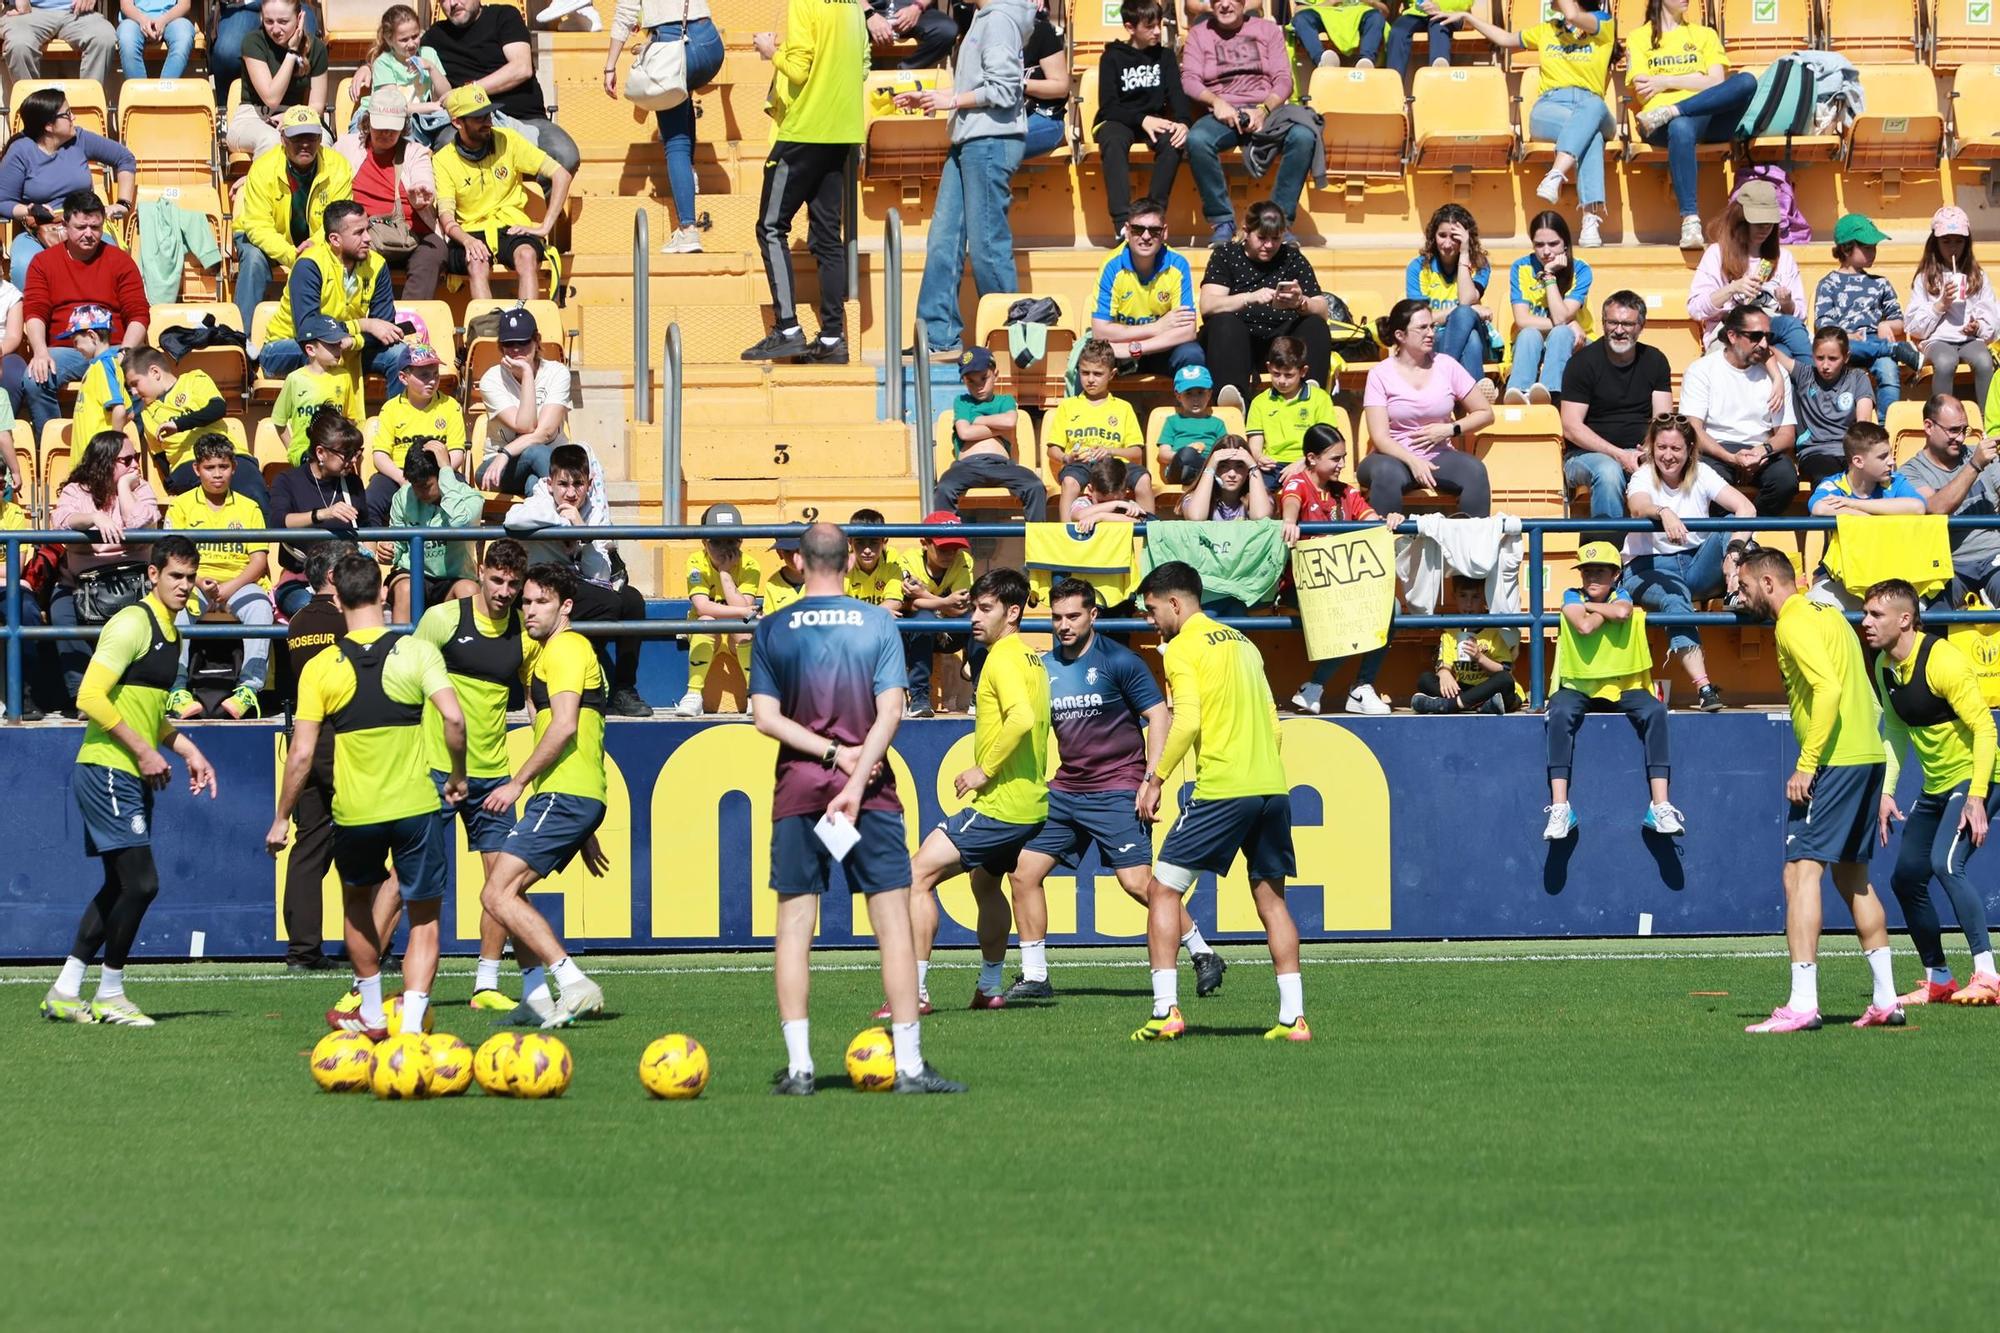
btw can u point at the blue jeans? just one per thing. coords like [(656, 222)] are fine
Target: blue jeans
[(1709, 116), (251, 606), (1604, 476), (1539, 358), (1579, 122), (179, 38), (974, 196), (1463, 337), (1672, 584), (1790, 335), (1310, 29), (1045, 134), (524, 469), (1403, 32), (281, 356), (1877, 357), (677, 128), (253, 277), (1208, 139), (225, 58), (43, 406)]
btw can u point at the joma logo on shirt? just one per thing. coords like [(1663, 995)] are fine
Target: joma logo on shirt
[(823, 618)]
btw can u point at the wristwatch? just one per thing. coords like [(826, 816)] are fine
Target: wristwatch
[(832, 748), (1457, 429)]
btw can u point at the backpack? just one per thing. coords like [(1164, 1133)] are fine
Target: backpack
[(1793, 229), (1353, 340), (1784, 103)]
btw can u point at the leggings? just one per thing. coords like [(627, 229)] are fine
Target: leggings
[(111, 921), (1499, 685), (1647, 715), (1934, 846), (1387, 479)]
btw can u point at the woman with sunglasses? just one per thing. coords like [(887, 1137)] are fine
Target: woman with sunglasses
[(51, 158), (1673, 569), (322, 492), (105, 494), (527, 401)]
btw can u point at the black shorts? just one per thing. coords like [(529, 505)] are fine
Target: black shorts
[(437, 588), (503, 246), (1838, 822)]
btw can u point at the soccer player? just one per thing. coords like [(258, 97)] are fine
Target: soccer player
[(1100, 695), (371, 688), (565, 771), (1242, 801), (1931, 702), (826, 683), (484, 649), (124, 695), (1835, 793), (1007, 784)]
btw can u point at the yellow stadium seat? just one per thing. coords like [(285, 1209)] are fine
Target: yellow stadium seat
[(1756, 32), (903, 145), (343, 104), (1086, 94), (1459, 119), (1537, 151), (269, 450), (1631, 13), (86, 102), (169, 124), (1522, 451), (1963, 32), (1092, 25), (1902, 129), (235, 163), (1975, 114), (229, 367), (197, 283), (1874, 30), (351, 24), (1027, 452), (263, 388), (1040, 384), (1366, 131), (55, 452)]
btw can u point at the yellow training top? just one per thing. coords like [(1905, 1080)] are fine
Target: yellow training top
[(1223, 710), (1834, 713), (567, 664), (1010, 735)]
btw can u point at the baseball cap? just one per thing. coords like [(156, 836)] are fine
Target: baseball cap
[(87, 317), (468, 99), (787, 543), (322, 329), (518, 326), (722, 515), (1759, 201), (1192, 377), (974, 361), (1598, 553), (420, 354), (389, 107), (1855, 227), (1950, 221), (299, 121), (946, 541)]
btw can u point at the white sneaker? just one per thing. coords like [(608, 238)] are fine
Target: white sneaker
[(1691, 234), (1653, 117), (1514, 397), (1364, 700), (1591, 234), (1661, 817), (1330, 60), (1551, 188), (690, 704), (684, 241), (1307, 698), (1229, 396), (1539, 394), (584, 997), (1562, 822)]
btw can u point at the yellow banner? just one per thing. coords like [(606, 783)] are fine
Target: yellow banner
[(1347, 591)]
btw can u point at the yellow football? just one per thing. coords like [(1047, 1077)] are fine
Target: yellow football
[(451, 1064), (402, 1068), (871, 1061), (393, 1007), (341, 1061), (675, 1067), (492, 1061), (541, 1067)]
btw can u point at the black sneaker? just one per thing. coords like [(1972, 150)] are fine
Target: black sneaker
[(627, 703), (1708, 699), (1024, 989), (311, 962), (920, 710), (1208, 970), (785, 1083), (29, 712), (827, 353), (1431, 703), (926, 1079), (1496, 706), (777, 345)]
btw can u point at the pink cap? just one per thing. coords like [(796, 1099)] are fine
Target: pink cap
[(1950, 221)]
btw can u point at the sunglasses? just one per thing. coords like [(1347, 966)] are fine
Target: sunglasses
[(520, 345), (1137, 230), (133, 457), (1755, 335), (1670, 419)]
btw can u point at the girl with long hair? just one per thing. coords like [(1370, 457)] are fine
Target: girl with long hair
[(399, 59), (1449, 275), (1952, 313), (1550, 291), (105, 494), (1744, 265)]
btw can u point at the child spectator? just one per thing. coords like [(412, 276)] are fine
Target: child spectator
[(399, 59), (788, 582), (1093, 424), (1863, 305), (1475, 668), (1193, 430), (982, 440), (721, 585), (1316, 494), (936, 586), (323, 381), (14, 517), (1330, 30), (432, 496), (1106, 495), (101, 401), (1603, 664), (1139, 100), (322, 492), (1450, 275), (1870, 485), (1279, 417), (873, 574), (175, 407), (235, 576), (1952, 312), (1228, 487), (1428, 15), (1550, 292), (416, 415), (1830, 393)]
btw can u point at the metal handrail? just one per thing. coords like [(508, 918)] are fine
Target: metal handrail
[(642, 316), (926, 465), (892, 316), (670, 431)]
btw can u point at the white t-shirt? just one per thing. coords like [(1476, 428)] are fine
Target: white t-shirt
[(1693, 502), (498, 390), (1735, 405), (10, 296)]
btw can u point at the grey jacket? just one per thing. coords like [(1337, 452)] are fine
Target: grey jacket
[(989, 67)]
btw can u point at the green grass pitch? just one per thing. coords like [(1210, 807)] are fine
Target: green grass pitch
[(1528, 1136)]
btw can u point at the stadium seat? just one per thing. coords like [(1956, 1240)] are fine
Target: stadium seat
[(269, 450), (1040, 384), (55, 455), (1027, 451), (1459, 120), (1756, 32), (1522, 451), (1535, 152), (343, 105), (1902, 129), (169, 124), (350, 26), (903, 145), (86, 102), (229, 367), (263, 388), (1963, 32), (235, 163), (1366, 131), (1631, 13), (1889, 31), (197, 283), (1975, 114)]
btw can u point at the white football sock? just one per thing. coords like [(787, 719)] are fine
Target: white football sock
[(1291, 997), (1193, 941), (567, 973), (371, 1000), (992, 976), (1881, 971), (1166, 990), (110, 983), (415, 1003), (1805, 988), (923, 980), (534, 982), (1941, 976), (1982, 962), (487, 975), (909, 1048), (1035, 960), (798, 1047), (70, 980)]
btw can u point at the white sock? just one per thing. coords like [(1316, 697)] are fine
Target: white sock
[(798, 1046), (1982, 963), (487, 975), (923, 980), (70, 980), (1193, 941), (567, 973), (371, 1000), (1035, 960), (1166, 990), (110, 983), (909, 1048), (1881, 971), (1805, 988), (1291, 997), (992, 976), (1941, 976), (534, 982), (415, 1002)]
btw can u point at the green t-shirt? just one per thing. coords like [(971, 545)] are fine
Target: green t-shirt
[(306, 391), (1283, 422), (1202, 432), (967, 408), (483, 701)]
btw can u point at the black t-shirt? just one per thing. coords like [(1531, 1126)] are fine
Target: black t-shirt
[(297, 491), (258, 48), (1618, 399), (476, 50), (1044, 40), (1231, 266)]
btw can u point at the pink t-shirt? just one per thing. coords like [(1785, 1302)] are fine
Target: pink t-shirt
[(1410, 408)]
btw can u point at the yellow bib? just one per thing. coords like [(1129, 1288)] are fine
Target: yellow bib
[(1617, 650)]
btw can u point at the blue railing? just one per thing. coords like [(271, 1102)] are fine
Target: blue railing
[(1532, 619)]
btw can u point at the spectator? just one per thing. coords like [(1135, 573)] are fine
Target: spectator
[(1829, 394), (1870, 485), (1429, 15), (321, 492), (1108, 492), (1961, 477), (326, 379), (1093, 424), (1283, 415), (13, 337), (235, 577), (1330, 30), (691, 22), (1673, 569), (1228, 487), (30, 25), (925, 26), (82, 271), (400, 61), (176, 409), (105, 494), (937, 585), (816, 98), (234, 26), (1610, 391), (1550, 292), (1145, 298), (788, 580), (482, 184), (1254, 292), (338, 277), (282, 205), (1745, 266), (418, 415), (432, 496), (393, 178), (1686, 97), (489, 45), (284, 66), (1192, 430), (15, 516), (983, 443), (1236, 67), (527, 400), (101, 400), (721, 585), (1139, 100), (1045, 86), (1314, 493), (1742, 413), (974, 194), (1577, 46), (1475, 668), (49, 159), (874, 576), (1864, 306), (1450, 275), (1408, 403), (1952, 313), (165, 22)]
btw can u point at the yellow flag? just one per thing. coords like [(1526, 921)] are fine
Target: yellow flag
[(1347, 591)]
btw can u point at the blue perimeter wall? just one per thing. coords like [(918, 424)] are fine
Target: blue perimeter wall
[(1407, 828)]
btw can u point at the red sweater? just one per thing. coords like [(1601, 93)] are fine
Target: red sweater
[(58, 284)]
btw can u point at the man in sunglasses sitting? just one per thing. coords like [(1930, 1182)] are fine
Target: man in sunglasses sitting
[(1957, 473), (1742, 411), (1145, 298)]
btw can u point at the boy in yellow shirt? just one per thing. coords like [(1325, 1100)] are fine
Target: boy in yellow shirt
[(234, 575), (416, 415), (1475, 668), (1094, 424), (874, 574), (937, 585), (101, 401), (176, 408), (721, 585), (326, 377)]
